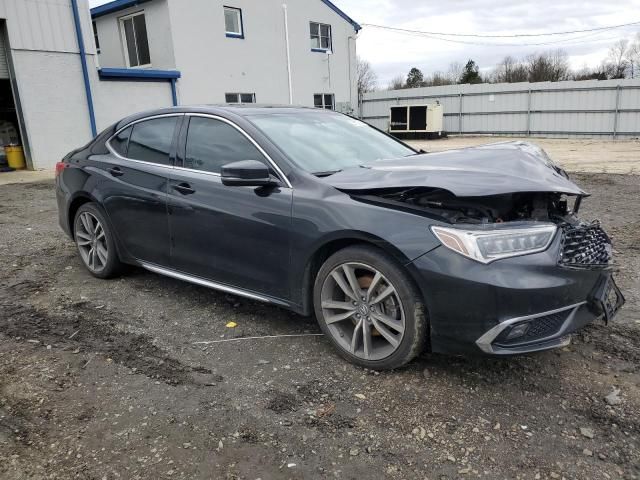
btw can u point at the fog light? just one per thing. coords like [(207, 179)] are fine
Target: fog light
[(517, 331)]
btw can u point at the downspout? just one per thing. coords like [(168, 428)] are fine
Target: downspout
[(83, 62), (174, 93), (359, 108), (286, 39)]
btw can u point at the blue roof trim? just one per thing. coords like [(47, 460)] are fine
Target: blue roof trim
[(114, 6), (355, 24), (138, 73)]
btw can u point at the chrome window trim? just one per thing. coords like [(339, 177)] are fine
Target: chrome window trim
[(486, 340), (275, 166), (140, 120), (281, 175)]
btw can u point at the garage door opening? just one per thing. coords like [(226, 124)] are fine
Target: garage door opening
[(11, 144)]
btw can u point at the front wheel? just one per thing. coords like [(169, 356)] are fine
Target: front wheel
[(369, 308)]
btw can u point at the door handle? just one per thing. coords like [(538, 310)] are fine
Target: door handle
[(184, 188), (116, 171)]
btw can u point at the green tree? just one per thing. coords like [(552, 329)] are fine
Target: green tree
[(470, 73), (415, 78)]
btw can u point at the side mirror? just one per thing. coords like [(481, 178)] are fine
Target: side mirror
[(246, 173)]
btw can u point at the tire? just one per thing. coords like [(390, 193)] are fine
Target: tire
[(393, 342), (104, 262)]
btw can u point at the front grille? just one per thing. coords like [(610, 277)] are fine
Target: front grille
[(541, 327), (585, 246)]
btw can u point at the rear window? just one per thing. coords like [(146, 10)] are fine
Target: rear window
[(151, 140)]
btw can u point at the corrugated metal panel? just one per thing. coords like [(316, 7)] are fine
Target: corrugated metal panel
[(45, 25), (4, 68), (580, 109)]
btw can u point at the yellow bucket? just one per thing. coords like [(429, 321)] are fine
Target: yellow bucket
[(15, 157)]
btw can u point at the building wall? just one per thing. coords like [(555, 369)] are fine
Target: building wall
[(315, 72), (591, 108), (212, 64), (45, 25), (48, 77), (158, 31), (53, 102), (115, 100)]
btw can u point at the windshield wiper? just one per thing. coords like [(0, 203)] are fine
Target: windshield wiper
[(327, 173)]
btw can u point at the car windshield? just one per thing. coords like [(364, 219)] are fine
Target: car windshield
[(323, 143)]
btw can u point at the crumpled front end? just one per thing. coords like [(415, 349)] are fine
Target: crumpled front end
[(517, 270)]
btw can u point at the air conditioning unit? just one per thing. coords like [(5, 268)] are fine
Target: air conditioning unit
[(345, 107), (417, 121)]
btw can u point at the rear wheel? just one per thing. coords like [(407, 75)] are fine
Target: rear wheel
[(368, 307), (95, 242)]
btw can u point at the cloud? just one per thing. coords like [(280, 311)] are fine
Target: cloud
[(394, 54)]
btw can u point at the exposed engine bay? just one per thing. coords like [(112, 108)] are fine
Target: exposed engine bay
[(512, 207)]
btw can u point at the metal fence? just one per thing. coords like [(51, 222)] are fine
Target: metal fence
[(591, 108)]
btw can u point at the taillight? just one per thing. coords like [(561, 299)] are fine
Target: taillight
[(60, 166)]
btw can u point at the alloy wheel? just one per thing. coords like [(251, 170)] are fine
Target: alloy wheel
[(92, 242), (362, 311)]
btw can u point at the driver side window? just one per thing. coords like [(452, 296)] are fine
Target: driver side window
[(212, 143)]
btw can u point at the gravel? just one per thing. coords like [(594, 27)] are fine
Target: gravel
[(125, 392)]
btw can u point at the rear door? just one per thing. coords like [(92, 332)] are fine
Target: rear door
[(135, 193), (239, 236)]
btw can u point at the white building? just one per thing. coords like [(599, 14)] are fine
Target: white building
[(56, 91), (302, 52)]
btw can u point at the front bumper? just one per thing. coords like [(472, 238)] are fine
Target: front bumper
[(474, 308)]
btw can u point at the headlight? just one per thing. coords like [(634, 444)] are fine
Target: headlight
[(488, 245)]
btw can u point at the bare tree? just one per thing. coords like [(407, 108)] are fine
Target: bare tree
[(437, 79), (617, 63), (367, 79), (548, 66), (396, 83), (632, 56), (510, 70), (587, 73), (454, 72)]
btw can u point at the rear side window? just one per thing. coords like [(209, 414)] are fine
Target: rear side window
[(151, 140), (120, 142), (212, 144)]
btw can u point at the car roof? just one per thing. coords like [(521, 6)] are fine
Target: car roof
[(224, 110)]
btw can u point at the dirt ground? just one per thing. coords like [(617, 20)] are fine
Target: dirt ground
[(574, 155), (104, 379)]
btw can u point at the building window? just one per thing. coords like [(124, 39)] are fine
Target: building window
[(134, 38), (240, 97), (324, 100), (320, 37), (233, 22), (96, 40)]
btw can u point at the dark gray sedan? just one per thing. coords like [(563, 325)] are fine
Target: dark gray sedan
[(477, 250)]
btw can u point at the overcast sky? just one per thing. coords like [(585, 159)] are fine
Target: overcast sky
[(394, 53)]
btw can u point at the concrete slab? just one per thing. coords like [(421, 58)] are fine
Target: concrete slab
[(25, 176), (574, 155)]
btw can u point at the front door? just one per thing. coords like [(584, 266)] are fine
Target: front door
[(135, 188), (238, 236)]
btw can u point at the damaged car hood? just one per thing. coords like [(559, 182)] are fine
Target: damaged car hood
[(493, 169)]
